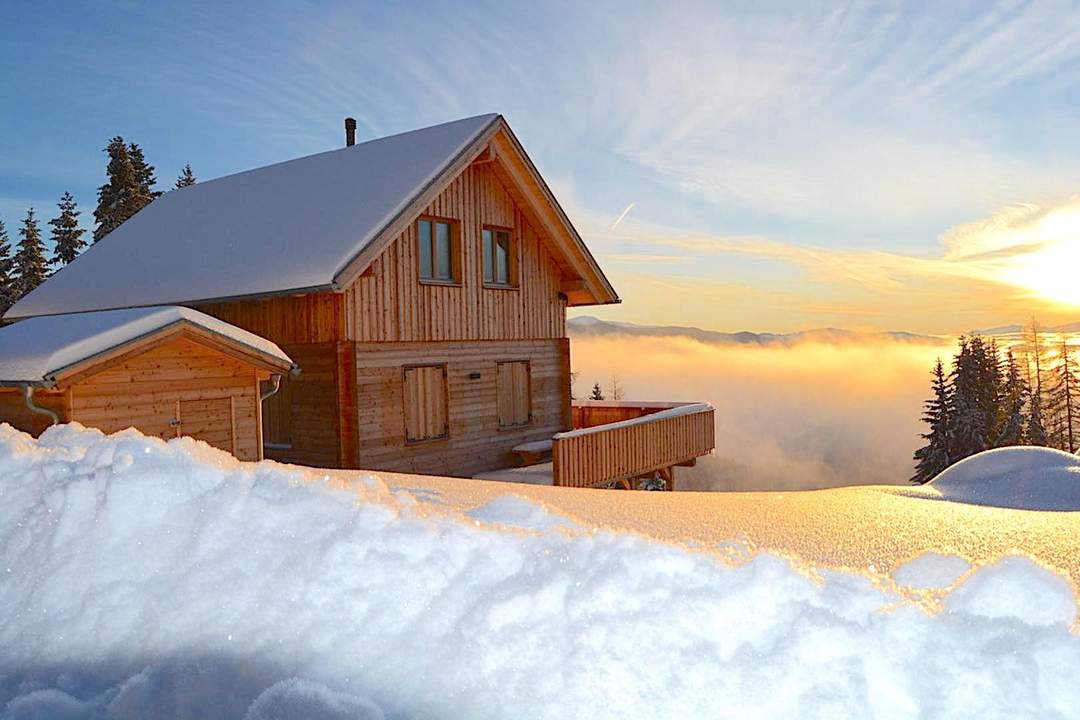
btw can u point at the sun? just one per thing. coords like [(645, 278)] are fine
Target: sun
[(1052, 269)]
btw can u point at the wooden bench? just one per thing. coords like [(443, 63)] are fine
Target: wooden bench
[(532, 453)]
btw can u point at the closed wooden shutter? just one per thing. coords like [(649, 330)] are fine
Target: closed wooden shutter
[(426, 403), (514, 393)]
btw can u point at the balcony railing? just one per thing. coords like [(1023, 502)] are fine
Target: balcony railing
[(617, 442)]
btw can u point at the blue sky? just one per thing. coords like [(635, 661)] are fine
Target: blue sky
[(785, 166)]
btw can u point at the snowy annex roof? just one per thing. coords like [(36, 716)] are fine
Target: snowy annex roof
[(35, 350), (292, 227)]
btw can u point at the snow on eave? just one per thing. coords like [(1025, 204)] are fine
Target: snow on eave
[(42, 351)]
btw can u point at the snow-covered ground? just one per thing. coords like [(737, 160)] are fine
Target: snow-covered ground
[(145, 579)]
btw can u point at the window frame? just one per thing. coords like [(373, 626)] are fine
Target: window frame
[(455, 251), (528, 394), (405, 403), (513, 270)]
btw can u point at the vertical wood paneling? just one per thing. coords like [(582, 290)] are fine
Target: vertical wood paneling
[(309, 318), (390, 304), (475, 442)]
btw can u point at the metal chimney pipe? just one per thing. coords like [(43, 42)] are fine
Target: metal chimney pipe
[(350, 132)]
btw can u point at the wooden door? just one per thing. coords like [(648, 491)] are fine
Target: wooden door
[(211, 421)]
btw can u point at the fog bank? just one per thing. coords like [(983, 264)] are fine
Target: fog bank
[(809, 415)]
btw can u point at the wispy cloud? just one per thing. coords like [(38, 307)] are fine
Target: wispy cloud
[(622, 216)]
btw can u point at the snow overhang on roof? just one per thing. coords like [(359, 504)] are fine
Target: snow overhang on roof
[(305, 225), (38, 351)]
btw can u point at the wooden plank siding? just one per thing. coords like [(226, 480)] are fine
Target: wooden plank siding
[(151, 390), (289, 320), (627, 451), (475, 442), (13, 409), (390, 304), (319, 398), (346, 406)]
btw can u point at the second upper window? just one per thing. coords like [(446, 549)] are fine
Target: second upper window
[(437, 242), (499, 260)]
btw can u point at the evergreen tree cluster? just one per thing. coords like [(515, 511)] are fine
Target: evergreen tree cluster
[(992, 399), (129, 188)]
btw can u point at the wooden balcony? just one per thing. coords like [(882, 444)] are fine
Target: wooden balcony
[(614, 443)]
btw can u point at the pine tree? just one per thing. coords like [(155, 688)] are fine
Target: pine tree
[(186, 178), (144, 173), (66, 233), (1036, 430), (1065, 400), (128, 189), (934, 457), (8, 293), (597, 393), (1011, 420), (30, 258), (970, 432)]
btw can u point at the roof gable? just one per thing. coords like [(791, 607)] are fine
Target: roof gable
[(37, 351)]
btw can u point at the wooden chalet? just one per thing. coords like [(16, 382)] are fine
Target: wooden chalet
[(420, 283)]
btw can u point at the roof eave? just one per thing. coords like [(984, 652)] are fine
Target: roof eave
[(308, 290)]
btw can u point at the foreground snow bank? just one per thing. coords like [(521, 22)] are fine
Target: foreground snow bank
[(1023, 478), (145, 579)]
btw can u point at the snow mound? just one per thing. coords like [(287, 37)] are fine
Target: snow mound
[(140, 578), (517, 512), (1023, 478), (931, 571), (1016, 588)]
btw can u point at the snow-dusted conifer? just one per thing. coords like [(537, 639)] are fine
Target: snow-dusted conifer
[(128, 190), (30, 265), (144, 174), (67, 236), (8, 293), (597, 393), (934, 457), (186, 177), (1011, 423), (1036, 429), (1065, 399), (970, 432)]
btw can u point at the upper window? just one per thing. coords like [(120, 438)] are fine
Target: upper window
[(437, 243), (499, 260)]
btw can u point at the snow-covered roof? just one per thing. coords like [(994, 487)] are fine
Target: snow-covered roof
[(282, 228), (35, 350)]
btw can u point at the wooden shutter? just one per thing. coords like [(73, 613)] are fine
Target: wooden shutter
[(514, 393), (427, 414)]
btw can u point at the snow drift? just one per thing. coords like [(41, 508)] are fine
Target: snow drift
[(1022, 478), (145, 579)]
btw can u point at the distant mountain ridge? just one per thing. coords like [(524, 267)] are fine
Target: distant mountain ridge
[(1073, 327), (591, 326)]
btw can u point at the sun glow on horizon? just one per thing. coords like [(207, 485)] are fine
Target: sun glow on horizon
[(1034, 249)]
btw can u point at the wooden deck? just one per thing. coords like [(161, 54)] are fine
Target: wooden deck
[(645, 440)]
